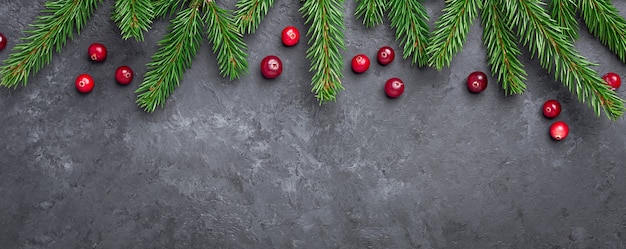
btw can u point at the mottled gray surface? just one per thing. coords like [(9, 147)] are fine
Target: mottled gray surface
[(255, 163)]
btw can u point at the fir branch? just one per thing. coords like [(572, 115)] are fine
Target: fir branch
[(564, 12), (545, 39), (227, 42), (250, 13), (502, 49), (51, 30), (451, 31), (133, 17), (326, 39), (371, 11), (175, 54), (164, 8), (604, 21), (410, 20)]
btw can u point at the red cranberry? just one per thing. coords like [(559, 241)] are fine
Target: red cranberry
[(613, 80), (3, 41), (360, 63), (97, 52), (386, 55), (290, 36), (271, 67), (394, 87), (477, 82), (551, 108), (124, 75), (84, 83), (559, 130)]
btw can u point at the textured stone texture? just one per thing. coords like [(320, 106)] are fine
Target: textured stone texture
[(255, 163)]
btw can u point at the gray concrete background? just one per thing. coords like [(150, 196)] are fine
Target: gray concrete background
[(255, 163)]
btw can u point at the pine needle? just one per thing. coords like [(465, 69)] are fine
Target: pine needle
[(502, 49), (604, 21), (410, 20), (163, 8), (228, 43), (326, 41), (250, 13), (372, 11), (564, 12), (451, 31), (174, 56), (133, 17)]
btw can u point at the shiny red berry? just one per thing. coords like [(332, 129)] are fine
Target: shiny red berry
[(84, 83), (613, 80), (360, 63), (124, 75), (394, 87), (271, 67), (290, 36), (551, 108), (477, 82), (3, 41), (385, 55), (97, 52), (559, 130)]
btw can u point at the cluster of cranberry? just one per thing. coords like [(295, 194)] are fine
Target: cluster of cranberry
[(98, 53), (477, 82), (394, 87), (272, 66), (552, 108)]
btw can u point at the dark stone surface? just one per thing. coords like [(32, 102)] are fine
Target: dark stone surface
[(254, 163)]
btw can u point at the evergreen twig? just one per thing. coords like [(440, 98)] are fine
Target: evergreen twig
[(564, 12), (502, 49), (410, 20), (372, 11), (133, 17), (544, 38), (250, 13), (326, 39), (51, 31), (604, 21), (451, 31), (175, 54), (228, 43), (163, 8)]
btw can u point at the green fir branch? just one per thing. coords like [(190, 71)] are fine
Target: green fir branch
[(604, 21), (228, 43), (163, 8), (133, 17), (326, 41), (372, 11), (50, 32), (564, 12), (502, 49), (175, 54), (554, 49), (410, 20), (250, 13), (451, 31)]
